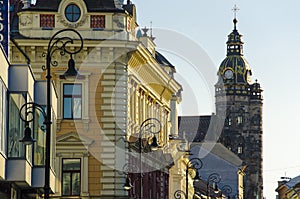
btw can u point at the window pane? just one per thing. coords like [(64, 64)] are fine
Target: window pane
[(40, 136), (77, 89), (76, 184), (71, 164), (72, 101), (68, 89), (69, 9), (15, 132), (72, 89), (71, 177), (77, 108), (76, 9), (67, 107), (66, 185)]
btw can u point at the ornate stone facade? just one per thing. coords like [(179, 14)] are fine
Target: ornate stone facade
[(239, 105)]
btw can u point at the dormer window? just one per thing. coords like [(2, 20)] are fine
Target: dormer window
[(72, 12)]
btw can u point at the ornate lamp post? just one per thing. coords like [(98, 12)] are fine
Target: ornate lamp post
[(56, 44), (150, 126), (194, 163), (213, 178), (226, 189)]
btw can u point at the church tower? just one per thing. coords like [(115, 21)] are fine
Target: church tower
[(239, 104)]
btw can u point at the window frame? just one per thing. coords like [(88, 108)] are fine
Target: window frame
[(72, 97), (73, 16), (70, 172), (3, 116)]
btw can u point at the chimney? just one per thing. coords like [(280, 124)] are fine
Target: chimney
[(26, 3), (118, 3)]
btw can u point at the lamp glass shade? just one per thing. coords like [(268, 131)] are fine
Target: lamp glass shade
[(197, 177), (71, 73), (127, 186), (216, 189), (27, 139), (154, 145)]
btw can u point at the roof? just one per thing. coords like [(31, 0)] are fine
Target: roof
[(234, 69), (194, 127), (219, 150), (92, 5), (162, 60), (239, 65), (294, 181)]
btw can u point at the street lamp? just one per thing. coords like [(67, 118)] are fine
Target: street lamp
[(226, 189), (194, 163), (150, 126), (56, 44), (213, 178)]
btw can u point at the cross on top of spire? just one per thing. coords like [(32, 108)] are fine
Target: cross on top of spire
[(235, 9)]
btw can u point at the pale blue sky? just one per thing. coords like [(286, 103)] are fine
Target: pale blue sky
[(271, 32)]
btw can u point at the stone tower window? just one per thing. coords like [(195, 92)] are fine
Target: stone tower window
[(240, 149), (240, 119), (228, 121)]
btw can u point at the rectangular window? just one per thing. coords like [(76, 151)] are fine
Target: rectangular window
[(40, 136), (239, 119), (15, 126), (71, 181), (72, 101), (47, 20), (2, 117), (98, 21)]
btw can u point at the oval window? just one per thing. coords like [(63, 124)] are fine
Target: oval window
[(72, 12)]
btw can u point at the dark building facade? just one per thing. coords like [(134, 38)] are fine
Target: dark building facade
[(237, 123), (239, 104)]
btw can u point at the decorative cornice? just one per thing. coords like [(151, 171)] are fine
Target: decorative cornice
[(71, 25)]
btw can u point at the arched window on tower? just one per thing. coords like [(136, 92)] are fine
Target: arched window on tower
[(240, 120), (240, 147), (228, 121)]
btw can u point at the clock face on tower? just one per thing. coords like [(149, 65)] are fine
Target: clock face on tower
[(228, 74)]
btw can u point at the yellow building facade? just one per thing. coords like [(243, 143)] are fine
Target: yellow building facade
[(123, 81)]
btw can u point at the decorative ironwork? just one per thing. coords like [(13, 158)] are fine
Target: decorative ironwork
[(150, 126), (215, 178), (62, 45), (179, 195), (28, 110), (193, 163), (226, 189), (129, 168)]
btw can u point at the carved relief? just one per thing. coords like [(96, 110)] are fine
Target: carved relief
[(25, 20), (118, 22), (66, 23)]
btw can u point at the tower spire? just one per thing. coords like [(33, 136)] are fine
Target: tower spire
[(235, 9)]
